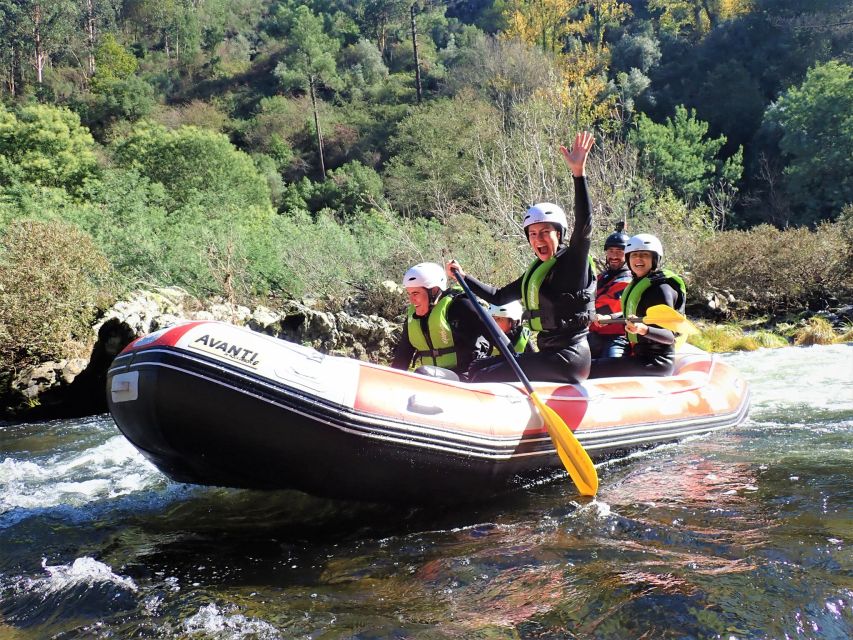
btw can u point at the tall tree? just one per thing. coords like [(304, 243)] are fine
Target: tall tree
[(95, 16), (47, 24), (697, 17), (412, 11), (377, 16), (678, 154), (544, 23), (605, 14), (309, 62), (816, 124), (12, 45)]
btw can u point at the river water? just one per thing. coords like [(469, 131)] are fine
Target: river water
[(746, 533)]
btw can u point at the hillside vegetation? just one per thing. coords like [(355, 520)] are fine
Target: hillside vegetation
[(252, 148)]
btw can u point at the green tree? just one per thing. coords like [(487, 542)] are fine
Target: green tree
[(816, 124), (679, 156), (435, 153), (377, 19), (198, 168), (49, 25), (350, 189), (112, 62), (309, 63), (46, 146), (130, 99), (12, 46), (97, 17)]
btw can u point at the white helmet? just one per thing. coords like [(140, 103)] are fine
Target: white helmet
[(644, 242), (426, 274), (546, 212), (512, 310)]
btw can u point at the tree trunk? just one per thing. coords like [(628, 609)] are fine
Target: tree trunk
[(37, 43), (317, 125), (17, 84), (415, 51), (90, 35)]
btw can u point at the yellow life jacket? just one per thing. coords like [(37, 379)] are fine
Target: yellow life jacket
[(576, 308), (439, 349), (635, 290)]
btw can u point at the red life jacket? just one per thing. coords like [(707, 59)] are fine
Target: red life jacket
[(608, 298)]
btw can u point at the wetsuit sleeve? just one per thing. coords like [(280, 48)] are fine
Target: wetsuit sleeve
[(494, 295), (403, 352), (572, 265), (465, 320), (663, 294)]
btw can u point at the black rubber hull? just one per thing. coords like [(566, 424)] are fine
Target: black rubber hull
[(199, 424)]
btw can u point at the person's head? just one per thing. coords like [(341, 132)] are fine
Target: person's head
[(545, 226), (644, 253), (424, 282), (507, 316), (614, 249)]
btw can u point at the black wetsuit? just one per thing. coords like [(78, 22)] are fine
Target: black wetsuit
[(563, 354), (654, 353), (467, 330)]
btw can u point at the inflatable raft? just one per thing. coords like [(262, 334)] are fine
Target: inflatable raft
[(210, 403)]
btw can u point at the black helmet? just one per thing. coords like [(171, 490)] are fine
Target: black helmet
[(618, 238)]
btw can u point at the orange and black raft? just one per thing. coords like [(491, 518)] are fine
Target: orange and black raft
[(215, 404)]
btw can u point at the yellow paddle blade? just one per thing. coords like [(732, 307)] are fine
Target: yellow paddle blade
[(665, 316), (680, 341), (573, 455)]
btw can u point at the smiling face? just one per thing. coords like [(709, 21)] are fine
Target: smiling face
[(544, 239), (419, 299), (640, 262), (614, 257)]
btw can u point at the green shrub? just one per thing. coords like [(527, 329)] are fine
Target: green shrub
[(717, 338), (769, 340), (770, 270), (720, 338), (52, 279), (45, 146)]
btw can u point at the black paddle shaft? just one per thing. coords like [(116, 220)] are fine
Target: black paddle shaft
[(497, 335)]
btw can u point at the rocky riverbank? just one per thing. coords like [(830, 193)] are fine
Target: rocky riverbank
[(366, 327), (75, 387)]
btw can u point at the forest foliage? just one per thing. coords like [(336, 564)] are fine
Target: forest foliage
[(247, 147)]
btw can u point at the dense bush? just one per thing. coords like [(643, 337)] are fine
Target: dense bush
[(768, 269), (197, 167), (52, 279), (44, 146)]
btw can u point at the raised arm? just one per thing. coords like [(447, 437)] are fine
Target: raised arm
[(576, 156)]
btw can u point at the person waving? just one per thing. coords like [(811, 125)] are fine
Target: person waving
[(557, 289)]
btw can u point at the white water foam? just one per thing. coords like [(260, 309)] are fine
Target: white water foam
[(84, 571), (111, 469), (817, 376), (211, 622)]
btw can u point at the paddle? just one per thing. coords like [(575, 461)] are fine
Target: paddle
[(663, 316), (573, 455)]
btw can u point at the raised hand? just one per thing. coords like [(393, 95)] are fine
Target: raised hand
[(576, 157)]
